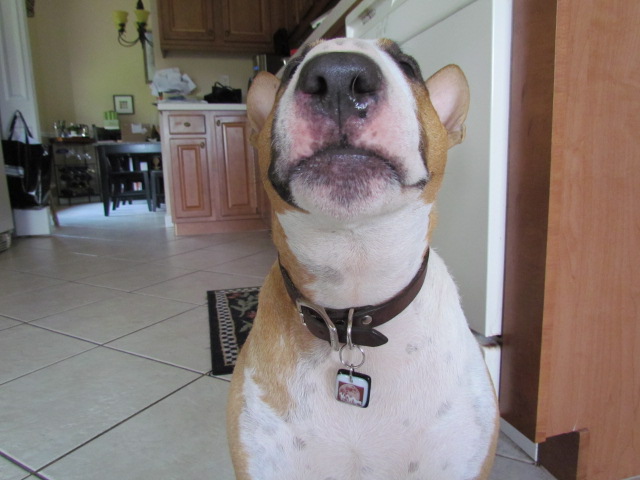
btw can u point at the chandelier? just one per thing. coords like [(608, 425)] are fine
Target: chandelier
[(142, 15)]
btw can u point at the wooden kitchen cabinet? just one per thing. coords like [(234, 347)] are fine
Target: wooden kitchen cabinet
[(186, 23), (240, 26), (247, 22), (190, 172), (236, 164), (213, 172), (237, 26)]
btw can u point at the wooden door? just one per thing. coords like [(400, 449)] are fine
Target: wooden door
[(190, 174), (571, 340), (236, 168), (16, 69), (18, 87)]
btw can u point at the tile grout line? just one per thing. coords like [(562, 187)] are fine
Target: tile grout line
[(119, 293), (35, 290), (129, 291), (105, 345), (162, 362), (96, 344), (51, 364), (16, 462), (68, 309), (118, 424), (147, 262)]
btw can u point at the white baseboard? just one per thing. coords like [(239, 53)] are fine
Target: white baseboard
[(529, 447)]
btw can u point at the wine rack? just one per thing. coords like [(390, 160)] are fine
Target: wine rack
[(77, 174)]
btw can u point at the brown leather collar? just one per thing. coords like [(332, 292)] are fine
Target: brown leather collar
[(331, 324)]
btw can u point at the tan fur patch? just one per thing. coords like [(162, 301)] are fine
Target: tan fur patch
[(437, 143), (300, 275), (436, 147), (273, 364)]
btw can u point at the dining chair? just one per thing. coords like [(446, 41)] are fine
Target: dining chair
[(125, 180), (125, 172)]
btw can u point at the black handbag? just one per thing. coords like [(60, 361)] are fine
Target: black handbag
[(224, 94), (28, 168)]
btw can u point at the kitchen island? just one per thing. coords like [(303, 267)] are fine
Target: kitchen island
[(210, 169)]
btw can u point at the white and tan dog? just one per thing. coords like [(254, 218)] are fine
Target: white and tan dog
[(352, 146)]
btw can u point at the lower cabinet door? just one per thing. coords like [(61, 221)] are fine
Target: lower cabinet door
[(190, 173), (236, 168)]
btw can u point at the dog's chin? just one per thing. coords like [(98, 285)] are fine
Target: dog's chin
[(345, 184)]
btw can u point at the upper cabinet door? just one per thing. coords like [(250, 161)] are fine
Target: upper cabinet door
[(241, 26), (187, 20), (247, 21)]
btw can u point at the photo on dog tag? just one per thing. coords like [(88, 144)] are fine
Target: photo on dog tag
[(353, 388)]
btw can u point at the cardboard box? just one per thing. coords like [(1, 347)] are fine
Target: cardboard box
[(134, 132)]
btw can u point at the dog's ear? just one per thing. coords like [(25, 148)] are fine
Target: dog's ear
[(449, 93), (260, 99)]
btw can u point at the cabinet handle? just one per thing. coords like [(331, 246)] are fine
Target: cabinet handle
[(218, 123), (187, 124), (201, 144)]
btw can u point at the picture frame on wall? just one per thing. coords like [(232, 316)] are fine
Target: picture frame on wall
[(123, 104)]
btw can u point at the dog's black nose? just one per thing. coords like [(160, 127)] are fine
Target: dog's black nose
[(341, 84)]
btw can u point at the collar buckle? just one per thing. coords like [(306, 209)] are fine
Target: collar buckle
[(322, 313), (364, 319)]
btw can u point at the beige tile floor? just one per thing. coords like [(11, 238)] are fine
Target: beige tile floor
[(104, 351)]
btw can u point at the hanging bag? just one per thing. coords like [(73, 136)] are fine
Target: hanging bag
[(28, 166)]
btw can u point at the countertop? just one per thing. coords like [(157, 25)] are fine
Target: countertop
[(162, 106)]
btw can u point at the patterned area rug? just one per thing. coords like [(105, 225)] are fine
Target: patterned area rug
[(231, 314)]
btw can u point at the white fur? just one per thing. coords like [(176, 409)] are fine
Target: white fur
[(363, 262), (431, 411)]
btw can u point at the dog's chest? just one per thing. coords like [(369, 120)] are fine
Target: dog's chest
[(411, 429)]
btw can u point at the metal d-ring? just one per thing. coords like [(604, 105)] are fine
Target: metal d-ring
[(350, 344), (351, 366)]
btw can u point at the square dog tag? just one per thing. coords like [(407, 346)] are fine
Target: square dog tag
[(353, 388)]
